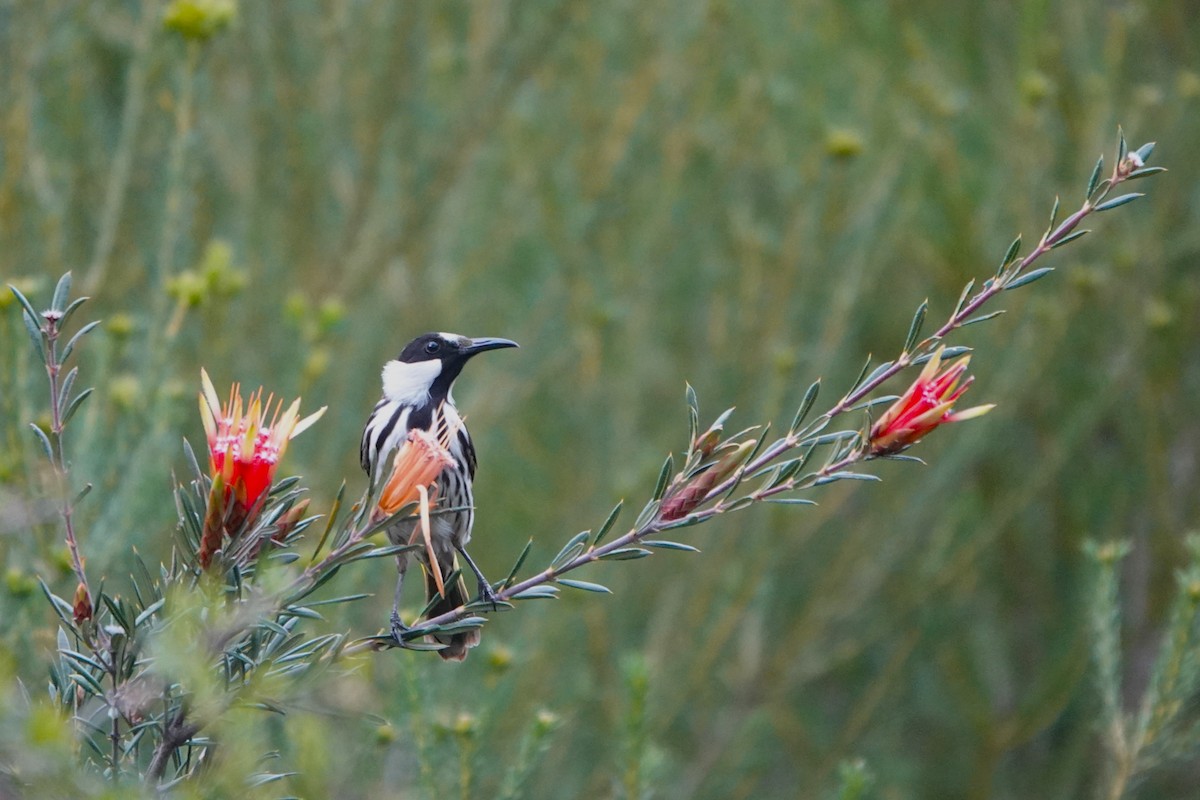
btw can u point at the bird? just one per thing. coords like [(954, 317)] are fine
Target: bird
[(417, 388)]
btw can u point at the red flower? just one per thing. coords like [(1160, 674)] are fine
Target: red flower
[(928, 403), (245, 444)]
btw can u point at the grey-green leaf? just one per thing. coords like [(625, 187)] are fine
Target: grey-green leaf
[(810, 397), (626, 554), (663, 544), (984, 318), (517, 566), (44, 439), (663, 477), (1028, 277), (86, 329), (71, 409), (1108, 205), (608, 523), (585, 586), (571, 549), (537, 592), (61, 292), (1094, 181), (914, 328), (71, 309), (1144, 172), (1015, 247), (1070, 238)]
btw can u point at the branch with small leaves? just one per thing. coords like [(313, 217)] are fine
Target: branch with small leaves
[(716, 467)]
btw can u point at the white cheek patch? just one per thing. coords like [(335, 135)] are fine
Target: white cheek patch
[(410, 383)]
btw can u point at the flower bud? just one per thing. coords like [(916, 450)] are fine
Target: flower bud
[(81, 608)]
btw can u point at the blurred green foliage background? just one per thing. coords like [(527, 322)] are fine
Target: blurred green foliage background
[(744, 196)]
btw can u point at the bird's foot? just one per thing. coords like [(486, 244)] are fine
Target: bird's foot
[(398, 628), (488, 595)]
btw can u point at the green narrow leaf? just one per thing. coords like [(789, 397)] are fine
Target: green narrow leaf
[(537, 592), (857, 381), (35, 335), (962, 298), (571, 549), (791, 501), (1143, 152), (1122, 147), (33, 315), (1144, 172), (829, 438), (82, 493), (1053, 214), (663, 477), (947, 353), (329, 521), (1014, 248), (875, 373), (1028, 277), (348, 598), (458, 626), (846, 475), (1108, 205), (648, 512), (64, 391), (92, 684), (739, 504), (78, 401), (61, 292), (914, 328), (82, 660), (190, 455), (738, 475), (149, 612), (585, 586), (626, 554), (810, 397), (663, 544), (520, 560), (878, 401), (608, 523), (86, 329), (984, 318), (1072, 237), (1094, 181), (70, 310), (787, 471), (44, 439), (693, 417)]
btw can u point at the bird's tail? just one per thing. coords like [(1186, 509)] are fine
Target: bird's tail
[(457, 644)]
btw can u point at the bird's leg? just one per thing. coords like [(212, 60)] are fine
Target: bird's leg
[(486, 593), (398, 626)]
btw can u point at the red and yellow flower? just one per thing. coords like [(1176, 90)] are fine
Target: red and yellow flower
[(928, 403), (246, 440)]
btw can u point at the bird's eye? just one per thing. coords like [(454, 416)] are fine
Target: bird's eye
[(432, 346)]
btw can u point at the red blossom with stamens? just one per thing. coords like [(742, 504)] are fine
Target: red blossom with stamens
[(928, 403), (245, 444)]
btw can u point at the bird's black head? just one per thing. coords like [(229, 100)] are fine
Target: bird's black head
[(449, 347), (429, 364)]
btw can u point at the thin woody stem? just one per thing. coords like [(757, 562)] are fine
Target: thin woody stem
[(632, 537), (59, 461), (770, 453)]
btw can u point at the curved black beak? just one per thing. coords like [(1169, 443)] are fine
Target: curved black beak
[(487, 343)]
